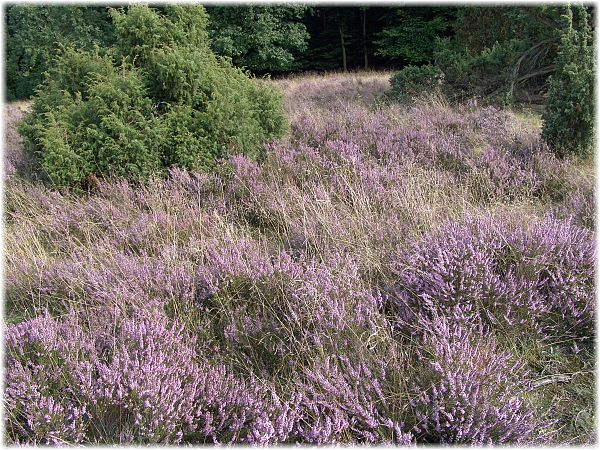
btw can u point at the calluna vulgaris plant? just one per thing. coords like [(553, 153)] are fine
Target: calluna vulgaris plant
[(136, 380), (467, 391), (539, 278)]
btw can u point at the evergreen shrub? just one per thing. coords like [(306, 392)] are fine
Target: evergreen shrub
[(569, 114), (159, 99), (412, 81)]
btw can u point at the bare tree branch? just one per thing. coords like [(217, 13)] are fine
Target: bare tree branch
[(529, 53)]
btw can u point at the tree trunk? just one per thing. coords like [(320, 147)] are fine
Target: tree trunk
[(364, 36), (344, 62)]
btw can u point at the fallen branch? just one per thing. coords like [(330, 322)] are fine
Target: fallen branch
[(558, 378)]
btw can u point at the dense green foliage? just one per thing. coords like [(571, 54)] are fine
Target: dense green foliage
[(160, 99), (495, 51), (482, 74), (501, 54), (569, 114), (411, 33), (35, 33), (335, 38), (478, 28), (348, 38), (415, 80), (259, 38)]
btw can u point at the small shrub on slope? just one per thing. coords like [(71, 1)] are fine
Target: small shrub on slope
[(412, 81), (91, 117), (160, 99)]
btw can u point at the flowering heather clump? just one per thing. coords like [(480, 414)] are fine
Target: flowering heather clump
[(500, 174), (466, 392), (138, 382), (579, 207), (539, 277), (343, 401), (230, 410), (39, 400), (145, 389)]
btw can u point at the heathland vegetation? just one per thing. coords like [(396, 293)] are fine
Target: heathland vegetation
[(194, 255)]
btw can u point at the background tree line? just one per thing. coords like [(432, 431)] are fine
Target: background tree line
[(506, 52)]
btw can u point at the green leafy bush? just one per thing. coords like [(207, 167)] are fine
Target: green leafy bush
[(412, 81), (569, 114), (477, 74), (161, 98)]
